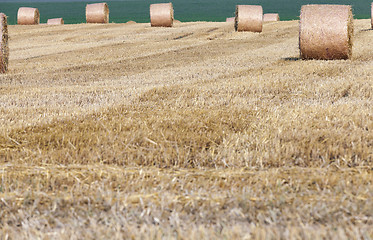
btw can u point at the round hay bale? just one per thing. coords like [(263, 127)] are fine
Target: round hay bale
[(249, 18), (4, 47), (161, 15), (325, 32), (55, 21), (97, 13), (271, 17), (230, 19), (130, 22), (28, 16)]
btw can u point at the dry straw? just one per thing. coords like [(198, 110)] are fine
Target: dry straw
[(271, 17), (326, 32), (249, 18), (161, 15), (28, 16), (97, 13), (4, 47), (230, 19), (55, 21)]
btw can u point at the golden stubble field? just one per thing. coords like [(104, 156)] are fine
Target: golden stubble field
[(127, 131)]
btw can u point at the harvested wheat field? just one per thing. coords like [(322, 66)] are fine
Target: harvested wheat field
[(192, 132)]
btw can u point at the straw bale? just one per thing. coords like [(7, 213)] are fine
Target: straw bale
[(161, 15), (230, 19), (28, 16), (4, 47), (325, 32), (97, 13), (271, 17), (55, 21), (249, 18)]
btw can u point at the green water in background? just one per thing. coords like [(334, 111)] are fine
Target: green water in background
[(185, 10)]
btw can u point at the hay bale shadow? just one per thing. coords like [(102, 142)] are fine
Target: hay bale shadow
[(291, 59)]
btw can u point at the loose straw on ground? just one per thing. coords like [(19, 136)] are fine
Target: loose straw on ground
[(249, 18), (229, 19), (271, 17), (326, 32), (4, 47), (97, 13), (161, 15), (55, 21), (28, 16)]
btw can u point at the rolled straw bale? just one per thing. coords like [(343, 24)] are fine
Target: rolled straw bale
[(249, 18), (325, 32), (55, 21), (4, 47), (161, 15), (230, 19), (271, 17), (97, 13), (130, 22), (28, 16)]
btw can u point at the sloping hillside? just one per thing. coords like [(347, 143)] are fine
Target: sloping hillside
[(196, 131)]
